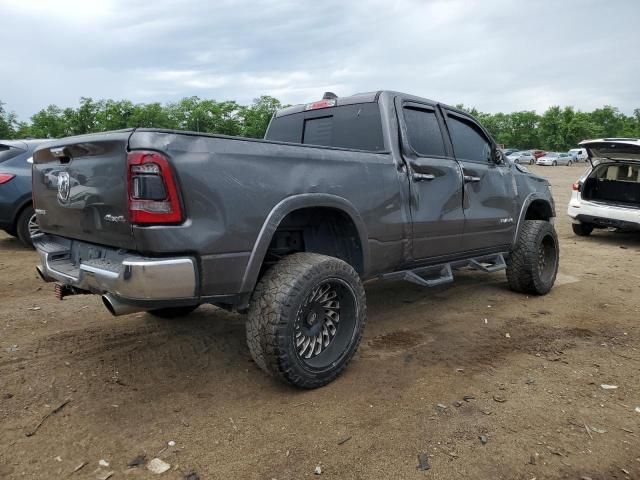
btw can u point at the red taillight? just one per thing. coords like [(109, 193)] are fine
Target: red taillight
[(153, 195), (5, 177), (576, 187)]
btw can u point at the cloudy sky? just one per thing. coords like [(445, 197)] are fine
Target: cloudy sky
[(497, 55)]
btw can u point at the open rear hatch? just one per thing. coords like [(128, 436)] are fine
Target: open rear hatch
[(80, 189), (612, 149), (615, 179)]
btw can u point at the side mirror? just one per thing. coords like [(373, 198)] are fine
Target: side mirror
[(498, 156)]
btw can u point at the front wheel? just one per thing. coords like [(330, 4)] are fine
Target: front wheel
[(306, 318), (532, 266), (531, 162), (555, 164)]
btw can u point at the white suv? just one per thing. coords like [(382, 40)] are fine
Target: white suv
[(608, 194), (579, 154)]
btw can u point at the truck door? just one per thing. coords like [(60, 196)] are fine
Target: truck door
[(489, 187), (435, 179)]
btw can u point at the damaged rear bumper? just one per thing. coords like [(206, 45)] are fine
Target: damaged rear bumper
[(129, 277)]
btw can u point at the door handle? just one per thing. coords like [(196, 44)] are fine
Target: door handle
[(421, 177), (471, 179)]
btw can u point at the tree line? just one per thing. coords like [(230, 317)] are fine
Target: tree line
[(190, 113), (558, 128)]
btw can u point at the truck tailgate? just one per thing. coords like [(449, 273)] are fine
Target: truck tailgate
[(80, 189)]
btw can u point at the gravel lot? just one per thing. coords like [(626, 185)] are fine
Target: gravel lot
[(531, 368)]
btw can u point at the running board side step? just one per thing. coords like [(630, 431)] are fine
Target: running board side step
[(435, 275), (489, 265)]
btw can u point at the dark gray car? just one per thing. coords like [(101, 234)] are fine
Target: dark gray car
[(379, 185)]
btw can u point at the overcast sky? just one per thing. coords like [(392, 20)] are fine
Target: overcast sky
[(496, 55)]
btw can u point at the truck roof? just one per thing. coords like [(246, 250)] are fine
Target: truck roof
[(365, 97)]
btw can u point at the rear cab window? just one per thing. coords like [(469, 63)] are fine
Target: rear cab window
[(357, 127)]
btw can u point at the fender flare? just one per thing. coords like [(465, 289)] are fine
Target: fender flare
[(533, 196), (280, 211)]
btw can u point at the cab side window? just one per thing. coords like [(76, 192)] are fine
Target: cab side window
[(469, 142), (424, 132)]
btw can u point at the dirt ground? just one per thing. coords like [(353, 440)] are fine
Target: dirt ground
[(531, 369)]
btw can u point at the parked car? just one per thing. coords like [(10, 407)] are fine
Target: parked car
[(522, 157), (287, 228), (509, 151), (579, 154), (538, 153), (17, 216), (555, 158), (608, 194)]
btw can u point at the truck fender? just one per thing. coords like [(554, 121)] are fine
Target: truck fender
[(533, 196), (280, 211)]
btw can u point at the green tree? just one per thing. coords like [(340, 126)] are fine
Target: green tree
[(114, 115), (50, 123), (8, 123), (255, 118), (552, 129), (523, 128), (608, 120), (84, 118), (151, 115), (580, 128)]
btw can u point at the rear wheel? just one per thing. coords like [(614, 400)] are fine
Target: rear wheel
[(531, 162), (173, 312), (306, 319), (27, 226), (532, 266), (582, 229), (569, 163)]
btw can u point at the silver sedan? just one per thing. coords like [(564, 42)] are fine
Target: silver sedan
[(524, 157), (555, 158)]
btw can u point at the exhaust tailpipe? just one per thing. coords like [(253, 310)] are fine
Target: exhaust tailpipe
[(117, 308)]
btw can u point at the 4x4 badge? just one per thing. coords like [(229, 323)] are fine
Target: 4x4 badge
[(64, 186)]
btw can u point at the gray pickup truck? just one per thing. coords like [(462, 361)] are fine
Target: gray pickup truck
[(378, 185)]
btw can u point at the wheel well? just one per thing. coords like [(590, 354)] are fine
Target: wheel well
[(22, 208), (539, 210), (325, 230)]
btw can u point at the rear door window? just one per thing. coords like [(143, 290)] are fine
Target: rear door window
[(357, 127), (423, 132), (469, 142), (7, 153)]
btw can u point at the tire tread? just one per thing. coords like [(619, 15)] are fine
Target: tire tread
[(270, 310), (522, 262)]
